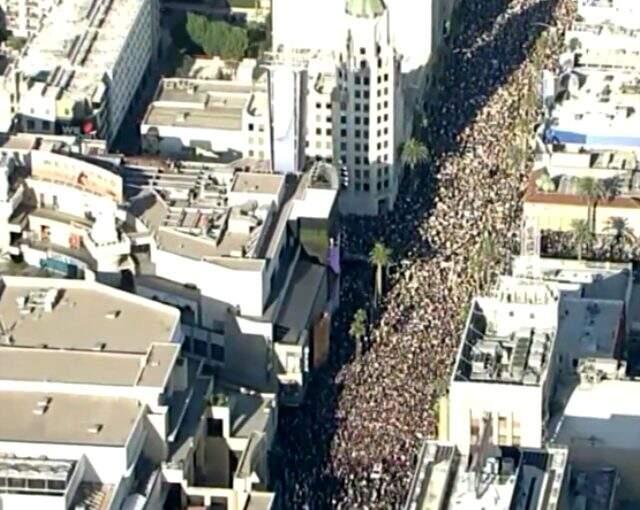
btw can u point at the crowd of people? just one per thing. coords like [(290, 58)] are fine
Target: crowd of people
[(353, 443), (602, 247)]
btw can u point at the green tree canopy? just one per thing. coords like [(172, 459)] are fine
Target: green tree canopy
[(217, 37)]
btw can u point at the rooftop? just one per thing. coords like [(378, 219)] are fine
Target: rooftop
[(67, 419), (509, 337), (206, 103), (604, 412), (78, 44), (508, 479), (593, 489), (596, 107), (46, 365), (208, 210), (81, 315), (593, 325)]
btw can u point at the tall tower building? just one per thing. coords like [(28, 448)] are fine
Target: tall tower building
[(355, 105)]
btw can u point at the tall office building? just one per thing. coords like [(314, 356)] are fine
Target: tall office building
[(366, 77)]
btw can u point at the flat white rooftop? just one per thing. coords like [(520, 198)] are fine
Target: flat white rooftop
[(150, 369), (79, 42), (509, 337), (607, 412), (597, 103), (206, 104), (81, 315), (510, 479), (67, 419)]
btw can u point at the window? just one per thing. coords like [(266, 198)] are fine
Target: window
[(515, 432), (386, 77), (250, 127), (318, 105), (31, 124), (46, 125), (357, 133), (366, 186), (357, 80), (358, 107), (328, 132), (386, 184), (200, 347), (217, 353), (343, 132), (356, 94), (358, 174), (379, 186), (362, 51), (366, 81), (357, 120), (328, 105), (318, 131), (343, 119), (358, 186), (343, 146), (357, 160), (357, 146)]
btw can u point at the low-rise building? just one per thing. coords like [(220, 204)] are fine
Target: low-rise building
[(554, 200), (80, 71), (95, 390), (250, 257), (595, 109), (525, 340), (217, 108), (501, 478)]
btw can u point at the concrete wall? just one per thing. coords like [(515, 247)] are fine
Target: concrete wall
[(516, 402)]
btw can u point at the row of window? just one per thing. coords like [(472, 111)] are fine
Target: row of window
[(203, 348), (366, 187)]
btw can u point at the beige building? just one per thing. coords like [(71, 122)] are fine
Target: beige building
[(553, 201)]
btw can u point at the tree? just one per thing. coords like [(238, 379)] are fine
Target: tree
[(545, 183), (414, 153), (358, 328), (593, 190), (582, 235), (217, 37), (622, 233), (380, 257)]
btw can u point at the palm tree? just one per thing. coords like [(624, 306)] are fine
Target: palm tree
[(413, 154), (358, 328), (593, 190), (621, 231), (582, 235), (380, 257)]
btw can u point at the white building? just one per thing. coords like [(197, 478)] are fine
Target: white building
[(355, 108), (216, 109), (496, 478), (599, 421), (596, 109), (618, 12), (524, 341), (72, 77), (94, 402), (107, 413), (245, 255), (23, 18)]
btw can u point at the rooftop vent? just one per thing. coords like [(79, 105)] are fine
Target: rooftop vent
[(42, 406), (99, 346), (95, 428), (113, 314)]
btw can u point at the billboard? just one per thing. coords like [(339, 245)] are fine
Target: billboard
[(76, 173)]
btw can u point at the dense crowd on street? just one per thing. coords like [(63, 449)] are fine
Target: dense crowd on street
[(353, 444)]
